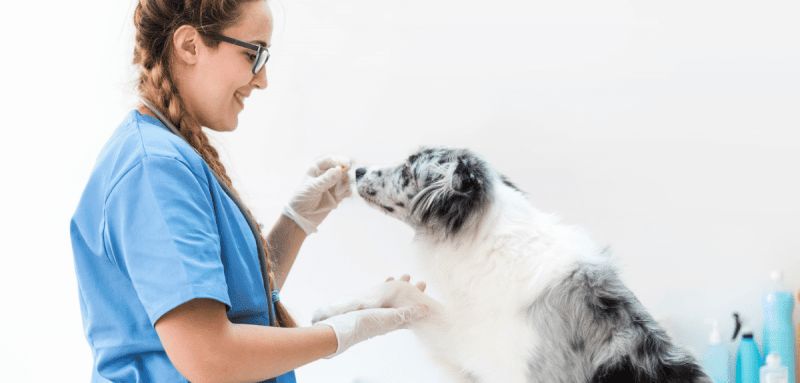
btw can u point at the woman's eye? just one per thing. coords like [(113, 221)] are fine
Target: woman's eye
[(251, 57)]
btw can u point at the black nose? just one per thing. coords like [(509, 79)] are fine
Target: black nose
[(360, 173)]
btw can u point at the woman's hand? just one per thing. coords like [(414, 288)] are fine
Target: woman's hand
[(327, 185), (357, 326), (390, 306)]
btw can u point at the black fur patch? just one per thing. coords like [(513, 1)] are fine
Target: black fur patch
[(509, 183), (619, 372), (626, 371), (470, 194)]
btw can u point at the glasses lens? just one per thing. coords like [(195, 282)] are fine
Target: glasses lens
[(261, 59)]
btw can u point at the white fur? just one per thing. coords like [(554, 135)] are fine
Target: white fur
[(519, 252)]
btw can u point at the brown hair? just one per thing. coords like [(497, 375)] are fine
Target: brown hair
[(156, 21)]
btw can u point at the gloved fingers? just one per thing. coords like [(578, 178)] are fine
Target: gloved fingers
[(404, 277), (407, 278), (323, 164), (329, 179), (409, 315), (343, 189)]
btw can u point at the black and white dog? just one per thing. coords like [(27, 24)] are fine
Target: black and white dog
[(525, 298)]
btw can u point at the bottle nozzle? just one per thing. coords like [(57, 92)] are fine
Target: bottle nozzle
[(714, 337), (773, 360)]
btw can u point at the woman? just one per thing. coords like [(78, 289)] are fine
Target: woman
[(168, 269)]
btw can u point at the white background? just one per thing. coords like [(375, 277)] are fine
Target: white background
[(670, 130)]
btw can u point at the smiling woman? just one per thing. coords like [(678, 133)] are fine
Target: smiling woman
[(175, 281), (189, 84)]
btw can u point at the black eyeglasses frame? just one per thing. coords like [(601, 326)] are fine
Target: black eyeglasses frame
[(262, 53)]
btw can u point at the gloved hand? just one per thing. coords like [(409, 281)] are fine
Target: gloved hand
[(357, 326), (327, 185)]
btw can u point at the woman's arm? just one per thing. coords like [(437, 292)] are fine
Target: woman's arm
[(205, 346), (284, 241)]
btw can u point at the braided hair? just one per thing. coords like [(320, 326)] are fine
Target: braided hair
[(155, 22)]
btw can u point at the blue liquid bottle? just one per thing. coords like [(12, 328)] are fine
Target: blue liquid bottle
[(777, 304), (748, 360)]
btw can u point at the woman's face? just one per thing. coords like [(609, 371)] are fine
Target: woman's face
[(214, 89)]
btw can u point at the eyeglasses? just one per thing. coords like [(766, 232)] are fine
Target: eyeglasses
[(262, 53)]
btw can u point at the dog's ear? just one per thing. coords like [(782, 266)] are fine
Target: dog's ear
[(469, 175), (452, 205)]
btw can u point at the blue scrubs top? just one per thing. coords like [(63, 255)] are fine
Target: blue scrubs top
[(153, 230)]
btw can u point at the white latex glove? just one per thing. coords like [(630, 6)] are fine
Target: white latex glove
[(357, 326), (327, 184)]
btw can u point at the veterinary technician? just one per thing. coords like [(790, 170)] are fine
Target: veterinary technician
[(170, 280)]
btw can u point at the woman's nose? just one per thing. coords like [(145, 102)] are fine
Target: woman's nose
[(360, 173), (260, 80)]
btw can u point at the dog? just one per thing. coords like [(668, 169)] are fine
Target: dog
[(525, 298)]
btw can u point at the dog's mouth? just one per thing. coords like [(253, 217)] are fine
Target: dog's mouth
[(368, 195)]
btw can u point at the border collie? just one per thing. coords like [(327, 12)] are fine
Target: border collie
[(525, 298)]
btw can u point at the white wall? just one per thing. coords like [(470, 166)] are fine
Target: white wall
[(669, 130)]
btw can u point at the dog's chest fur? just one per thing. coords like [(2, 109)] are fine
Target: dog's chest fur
[(490, 284)]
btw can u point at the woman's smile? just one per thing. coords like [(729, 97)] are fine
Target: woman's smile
[(240, 98)]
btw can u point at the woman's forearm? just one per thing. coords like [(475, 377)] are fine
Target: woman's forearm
[(285, 240), (259, 352), (206, 347)]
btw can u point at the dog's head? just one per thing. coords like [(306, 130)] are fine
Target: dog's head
[(436, 190)]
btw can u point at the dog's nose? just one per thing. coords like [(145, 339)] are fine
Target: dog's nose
[(360, 173)]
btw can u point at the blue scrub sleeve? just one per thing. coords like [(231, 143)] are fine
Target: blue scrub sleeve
[(162, 233)]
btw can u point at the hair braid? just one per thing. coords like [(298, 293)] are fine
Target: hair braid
[(155, 22)]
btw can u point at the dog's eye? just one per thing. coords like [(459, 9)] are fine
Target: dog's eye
[(407, 171), (406, 175)]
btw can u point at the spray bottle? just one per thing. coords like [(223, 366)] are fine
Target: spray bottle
[(777, 304)]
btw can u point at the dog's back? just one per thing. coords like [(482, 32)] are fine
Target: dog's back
[(597, 331)]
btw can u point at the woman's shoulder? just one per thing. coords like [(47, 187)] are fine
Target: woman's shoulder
[(146, 136), (141, 137)]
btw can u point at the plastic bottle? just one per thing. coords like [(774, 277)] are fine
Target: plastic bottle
[(715, 359), (777, 304), (773, 371), (748, 360)]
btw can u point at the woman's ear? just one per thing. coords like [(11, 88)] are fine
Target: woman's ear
[(185, 42)]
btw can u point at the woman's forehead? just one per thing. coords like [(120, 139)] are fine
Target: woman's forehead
[(255, 24)]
